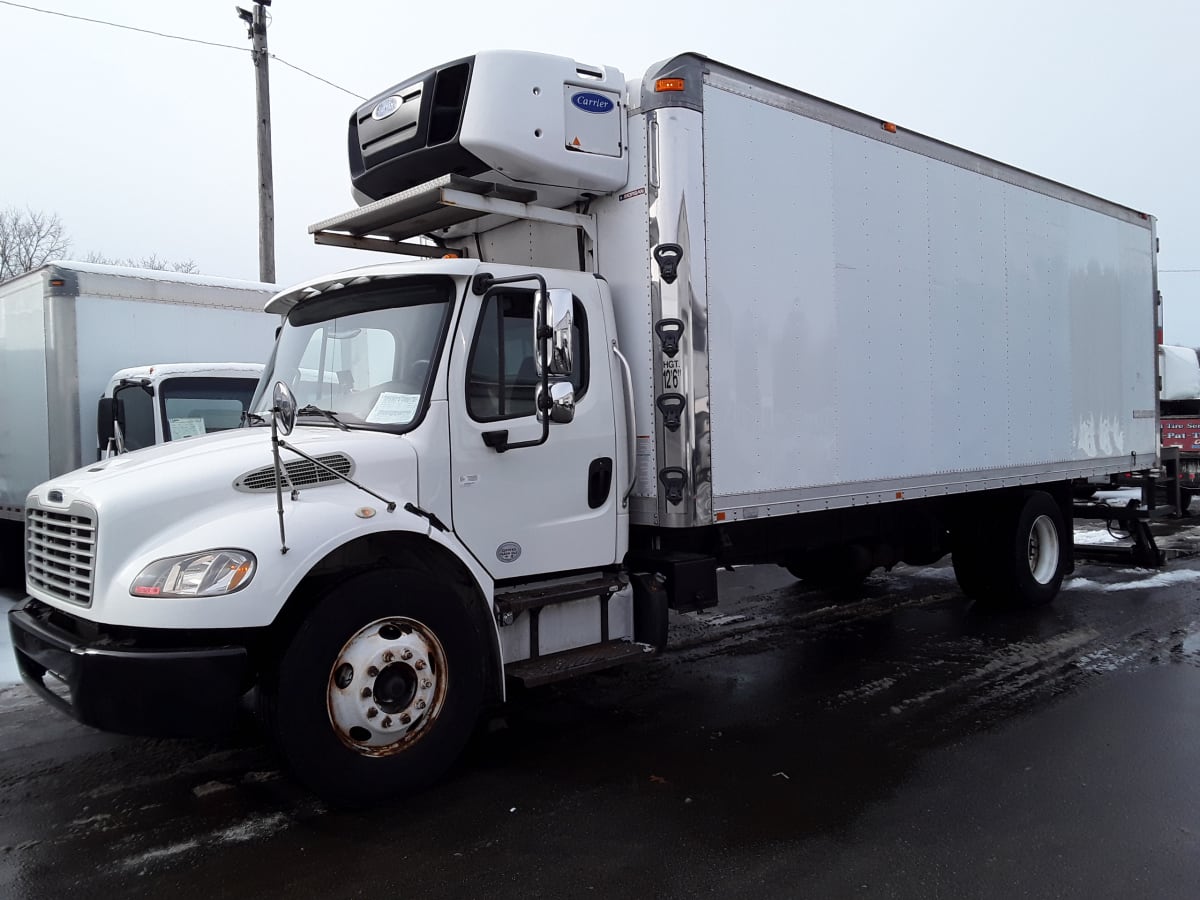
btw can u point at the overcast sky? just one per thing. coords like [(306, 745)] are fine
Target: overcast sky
[(146, 145)]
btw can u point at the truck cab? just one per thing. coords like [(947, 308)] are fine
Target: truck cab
[(146, 405)]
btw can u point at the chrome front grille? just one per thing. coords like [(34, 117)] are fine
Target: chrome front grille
[(60, 552), (299, 473)]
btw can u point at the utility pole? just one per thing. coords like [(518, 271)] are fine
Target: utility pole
[(257, 22)]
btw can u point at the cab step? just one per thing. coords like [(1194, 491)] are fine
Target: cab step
[(580, 661)]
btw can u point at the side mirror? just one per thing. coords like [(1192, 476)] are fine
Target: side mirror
[(283, 408), (562, 402), (556, 351)]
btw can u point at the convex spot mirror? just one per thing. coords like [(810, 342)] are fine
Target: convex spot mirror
[(283, 408), (562, 402), (556, 351)]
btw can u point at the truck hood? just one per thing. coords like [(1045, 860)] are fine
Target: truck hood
[(180, 475), (218, 491)]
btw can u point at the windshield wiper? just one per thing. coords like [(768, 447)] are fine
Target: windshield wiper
[(311, 410), (249, 418)]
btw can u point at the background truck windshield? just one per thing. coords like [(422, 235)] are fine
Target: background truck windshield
[(191, 407), (364, 353)]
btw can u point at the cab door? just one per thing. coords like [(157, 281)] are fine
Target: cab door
[(541, 509)]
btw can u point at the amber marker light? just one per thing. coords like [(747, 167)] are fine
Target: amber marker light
[(889, 127), (239, 574), (668, 84)]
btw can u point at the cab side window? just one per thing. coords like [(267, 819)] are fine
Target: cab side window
[(502, 377), (138, 408)]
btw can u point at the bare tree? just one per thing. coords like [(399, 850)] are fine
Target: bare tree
[(28, 239), (187, 266)]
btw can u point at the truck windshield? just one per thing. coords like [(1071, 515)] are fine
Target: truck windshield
[(364, 353), (199, 405)]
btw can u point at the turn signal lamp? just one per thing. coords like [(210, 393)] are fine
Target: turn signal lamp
[(668, 84)]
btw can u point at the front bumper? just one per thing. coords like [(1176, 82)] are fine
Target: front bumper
[(116, 685)]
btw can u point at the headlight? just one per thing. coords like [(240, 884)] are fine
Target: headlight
[(211, 573)]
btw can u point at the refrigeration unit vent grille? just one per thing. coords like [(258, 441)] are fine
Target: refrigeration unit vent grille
[(60, 553), (298, 473)]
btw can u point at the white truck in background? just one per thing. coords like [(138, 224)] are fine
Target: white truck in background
[(147, 405), (69, 333), (687, 321)]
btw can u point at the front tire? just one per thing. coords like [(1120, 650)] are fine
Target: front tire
[(379, 689)]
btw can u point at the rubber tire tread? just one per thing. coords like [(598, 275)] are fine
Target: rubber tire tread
[(294, 698)]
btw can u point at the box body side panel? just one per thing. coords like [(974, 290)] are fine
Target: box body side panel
[(879, 316), (24, 431)]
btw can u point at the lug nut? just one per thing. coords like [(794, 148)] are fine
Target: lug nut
[(405, 719), (372, 713), (372, 671), (420, 704), (426, 684), (406, 655), (419, 665), (388, 656), (366, 692), (387, 722)]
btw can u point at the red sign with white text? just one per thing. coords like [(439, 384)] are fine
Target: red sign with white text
[(1182, 432)]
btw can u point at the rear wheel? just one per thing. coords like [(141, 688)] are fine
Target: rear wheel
[(1028, 553), (378, 691)]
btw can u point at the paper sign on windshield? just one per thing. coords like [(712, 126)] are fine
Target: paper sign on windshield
[(393, 409), (186, 428)]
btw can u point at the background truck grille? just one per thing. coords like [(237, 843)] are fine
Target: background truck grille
[(60, 553), (300, 473)]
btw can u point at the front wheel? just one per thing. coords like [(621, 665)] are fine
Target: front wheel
[(378, 691)]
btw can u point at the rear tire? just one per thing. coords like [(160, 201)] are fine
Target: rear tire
[(379, 689), (1030, 551)]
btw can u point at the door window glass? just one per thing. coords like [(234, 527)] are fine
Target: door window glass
[(502, 381)]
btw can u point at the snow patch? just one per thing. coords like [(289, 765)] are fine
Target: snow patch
[(252, 829), (158, 854), (1104, 660), (869, 689), (1155, 580), (243, 832), (1097, 536), (8, 662)]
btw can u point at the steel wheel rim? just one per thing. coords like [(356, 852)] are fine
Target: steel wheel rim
[(1043, 550), (387, 686)]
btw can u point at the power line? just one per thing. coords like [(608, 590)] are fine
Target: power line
[(1178, 270), (173, 37), (318, 77)]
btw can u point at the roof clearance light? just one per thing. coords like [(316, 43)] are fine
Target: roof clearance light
[(668, 84), (449, 256), (889, 127)]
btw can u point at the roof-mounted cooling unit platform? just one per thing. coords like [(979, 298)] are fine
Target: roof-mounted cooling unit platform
[(462, 205)]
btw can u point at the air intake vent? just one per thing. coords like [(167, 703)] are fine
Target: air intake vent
[(299, 473)]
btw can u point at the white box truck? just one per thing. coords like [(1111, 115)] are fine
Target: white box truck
[(66, 328), (692, 320)]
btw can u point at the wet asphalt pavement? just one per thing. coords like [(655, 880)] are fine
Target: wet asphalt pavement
[(902, 745)]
